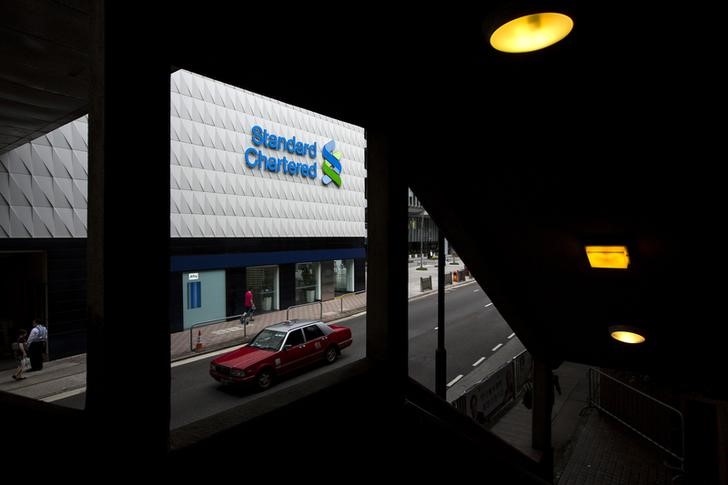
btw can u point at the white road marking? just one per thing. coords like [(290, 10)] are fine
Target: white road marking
[(206, 355), (454, 380), (497, 347), (64, 395), (351, 317), (435, 328), (479, 361), (511, 335), (486, 306), (475, 291)]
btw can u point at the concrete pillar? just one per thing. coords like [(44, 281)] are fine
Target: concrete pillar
[(127, 398), (387, 278), (541, 414)]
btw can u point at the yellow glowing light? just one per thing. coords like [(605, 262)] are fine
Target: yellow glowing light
[(531, 32), (608, 256), (627, 337)]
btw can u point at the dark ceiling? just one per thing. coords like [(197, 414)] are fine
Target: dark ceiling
[(44, 71), (615, 135)]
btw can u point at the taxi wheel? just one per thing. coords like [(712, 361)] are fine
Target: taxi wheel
[(264, 379), (331, 354)]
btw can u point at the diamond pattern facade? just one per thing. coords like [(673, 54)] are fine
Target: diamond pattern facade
[(44, 185), (215, 194)]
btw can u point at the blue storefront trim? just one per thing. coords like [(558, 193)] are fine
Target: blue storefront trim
[(240, 260)]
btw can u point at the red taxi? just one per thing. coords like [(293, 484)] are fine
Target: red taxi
[(280, 349)]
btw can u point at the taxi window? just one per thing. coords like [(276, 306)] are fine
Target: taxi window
[(312, 332), (295, 338)]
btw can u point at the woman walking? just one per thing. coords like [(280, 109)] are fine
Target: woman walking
[(20, 354)]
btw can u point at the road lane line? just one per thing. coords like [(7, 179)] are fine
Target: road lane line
[(64, 395), (486, 306), (479, 361), (497, 347), (475, 291), (511, 335), (206, 355), (454, 380)]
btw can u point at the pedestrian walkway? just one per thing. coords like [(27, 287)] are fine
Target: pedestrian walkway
[(589, 447), (57, 379), (606, 452), (416, 275)]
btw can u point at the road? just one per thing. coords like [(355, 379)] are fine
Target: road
[(473, 329)]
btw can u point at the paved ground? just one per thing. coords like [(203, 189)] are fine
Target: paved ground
[(590, 448)]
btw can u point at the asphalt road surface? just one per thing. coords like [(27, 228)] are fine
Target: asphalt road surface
[(474, 330)]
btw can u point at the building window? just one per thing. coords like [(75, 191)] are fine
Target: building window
[(263, 282), (308, 282)]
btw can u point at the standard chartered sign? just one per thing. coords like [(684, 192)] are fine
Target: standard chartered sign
[(279, 162)]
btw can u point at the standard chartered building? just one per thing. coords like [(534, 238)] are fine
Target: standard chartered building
[(263, 196)]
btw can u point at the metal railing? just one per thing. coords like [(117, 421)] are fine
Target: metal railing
[(306, 311), (657, 422), (353, 301), (234, 319), (522, 370), (505, 385), (313, 311)]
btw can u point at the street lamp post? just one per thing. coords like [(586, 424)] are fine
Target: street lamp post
[(422, 235), (440, 353)]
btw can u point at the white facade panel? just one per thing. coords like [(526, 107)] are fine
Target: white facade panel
[(44, 185), (213, 191), (216, 194)]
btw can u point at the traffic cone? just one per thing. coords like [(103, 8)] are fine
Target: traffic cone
[(198, 346)]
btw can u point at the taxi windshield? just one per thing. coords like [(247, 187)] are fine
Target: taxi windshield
[(268, 340)]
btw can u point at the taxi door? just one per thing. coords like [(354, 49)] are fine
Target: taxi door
[(294, 353)]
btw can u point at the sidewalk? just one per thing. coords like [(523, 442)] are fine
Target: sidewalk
[(431, 270), (56, 380), (589, 447), (65, 377)]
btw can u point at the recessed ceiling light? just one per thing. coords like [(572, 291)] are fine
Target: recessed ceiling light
[(615, 257), (531, 32), (627, 334)]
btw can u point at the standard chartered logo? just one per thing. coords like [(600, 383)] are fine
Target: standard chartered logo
[(256, 158), (331, 166)]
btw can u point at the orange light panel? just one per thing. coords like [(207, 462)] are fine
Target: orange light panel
[(615, 257)]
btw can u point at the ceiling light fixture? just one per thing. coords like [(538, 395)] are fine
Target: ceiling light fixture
[(531, 32), (627, 334), (614, 257)]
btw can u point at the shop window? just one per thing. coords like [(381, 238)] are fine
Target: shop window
[(263, 282), (344, 269), (308, 282)]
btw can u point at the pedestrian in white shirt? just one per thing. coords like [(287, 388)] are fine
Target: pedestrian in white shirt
[(37, 344)]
